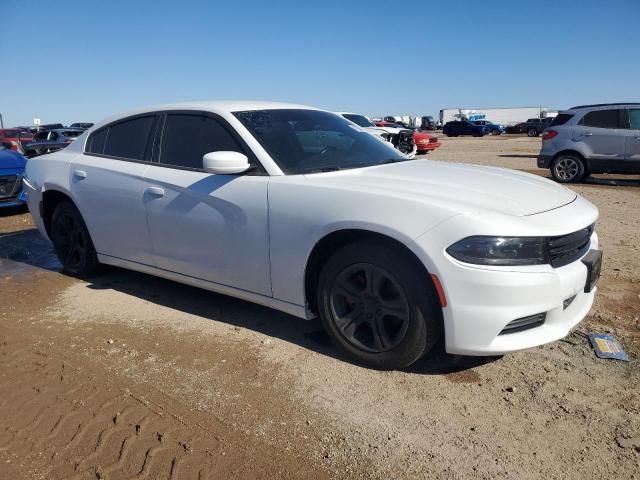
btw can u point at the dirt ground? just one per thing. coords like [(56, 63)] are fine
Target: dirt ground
[(130, 376)]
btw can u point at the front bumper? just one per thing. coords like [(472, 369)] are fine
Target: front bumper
[(16, 196), (482, 300), (544, 161), (481, 303), (17, 201), (428, 146)]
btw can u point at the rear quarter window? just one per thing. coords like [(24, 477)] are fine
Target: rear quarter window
[(561, 119)]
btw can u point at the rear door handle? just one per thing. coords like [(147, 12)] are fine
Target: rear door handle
[(79, 174), (155, 192), (588, 134)]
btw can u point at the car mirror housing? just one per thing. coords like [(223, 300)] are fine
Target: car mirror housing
[(225, 163)]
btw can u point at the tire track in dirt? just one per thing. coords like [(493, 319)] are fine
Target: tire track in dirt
[(62, 420)]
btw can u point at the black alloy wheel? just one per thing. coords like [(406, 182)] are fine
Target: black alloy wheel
[(378, 305), (369, 307), (72, 242)]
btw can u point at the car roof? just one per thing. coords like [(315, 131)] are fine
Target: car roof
[(596, 105), (62, 130), (215, 106), (223, 106)]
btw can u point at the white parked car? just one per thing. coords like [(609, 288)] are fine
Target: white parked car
[(401, 138), (293, 208)]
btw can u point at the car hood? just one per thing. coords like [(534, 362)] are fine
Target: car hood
[(466, 188), (11, 160)]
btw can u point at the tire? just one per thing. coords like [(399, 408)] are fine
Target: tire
[(72, 242), (532, 132), (495, 132), (568, 169), (352, 308)]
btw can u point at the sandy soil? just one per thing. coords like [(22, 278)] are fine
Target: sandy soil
[(130, 376)]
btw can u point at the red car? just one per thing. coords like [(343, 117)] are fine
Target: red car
[(15, 137), (424, 141)]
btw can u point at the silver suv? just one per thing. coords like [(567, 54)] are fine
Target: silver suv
[(588, 139)]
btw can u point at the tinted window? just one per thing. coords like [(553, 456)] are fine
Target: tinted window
[(561, 119), (602, 119), (360, 120), (97, 141), (130, 139), (634, 118), (303, 141), (186, 138)]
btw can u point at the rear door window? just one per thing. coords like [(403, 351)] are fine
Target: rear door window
[(186, 138), (130, 139), (634, 118), (602, 119)]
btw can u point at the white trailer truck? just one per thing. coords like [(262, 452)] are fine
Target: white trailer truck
[(502, 116)]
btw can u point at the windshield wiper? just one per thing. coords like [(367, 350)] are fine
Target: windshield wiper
[(323, 169)]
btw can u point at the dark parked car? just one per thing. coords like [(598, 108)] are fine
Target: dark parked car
[(82, 125), (462, 127), (48, 141), (492, 128), (49, 126), (532, 127), (428, 123)]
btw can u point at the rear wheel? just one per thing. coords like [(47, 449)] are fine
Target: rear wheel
[(377, 306), (71, 241), (568, 169)]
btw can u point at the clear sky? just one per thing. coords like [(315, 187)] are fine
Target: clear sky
[(68, 61)]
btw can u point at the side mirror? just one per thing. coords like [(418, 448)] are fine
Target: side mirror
[(225, 163)]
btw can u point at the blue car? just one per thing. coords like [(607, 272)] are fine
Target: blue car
[(492, 128), (11, 171), (463, 127)]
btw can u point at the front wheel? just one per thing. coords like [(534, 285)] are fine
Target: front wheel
[(377, 306), (532, 132), (568, 169), (495, 132), (71, 241)]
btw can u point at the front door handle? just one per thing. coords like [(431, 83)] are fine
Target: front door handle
[(637, 139), (588, 134), (155, 192), (79, 174)]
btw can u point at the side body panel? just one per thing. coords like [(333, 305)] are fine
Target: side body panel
[(110, 196), (212, 227)]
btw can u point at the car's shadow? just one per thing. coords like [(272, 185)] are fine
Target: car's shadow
[(517, 155), (30, 250), (11, 211)]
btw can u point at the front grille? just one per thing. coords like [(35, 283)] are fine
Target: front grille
[(9, 185), (565, 249), (524, 323)]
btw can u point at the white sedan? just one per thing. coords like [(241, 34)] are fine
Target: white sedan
[(300, 210)]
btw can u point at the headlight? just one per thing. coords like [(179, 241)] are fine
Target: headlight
[(499, 250)]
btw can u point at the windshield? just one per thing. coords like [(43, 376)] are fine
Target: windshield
[(307, 141), (359, 120), (11, 133)]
